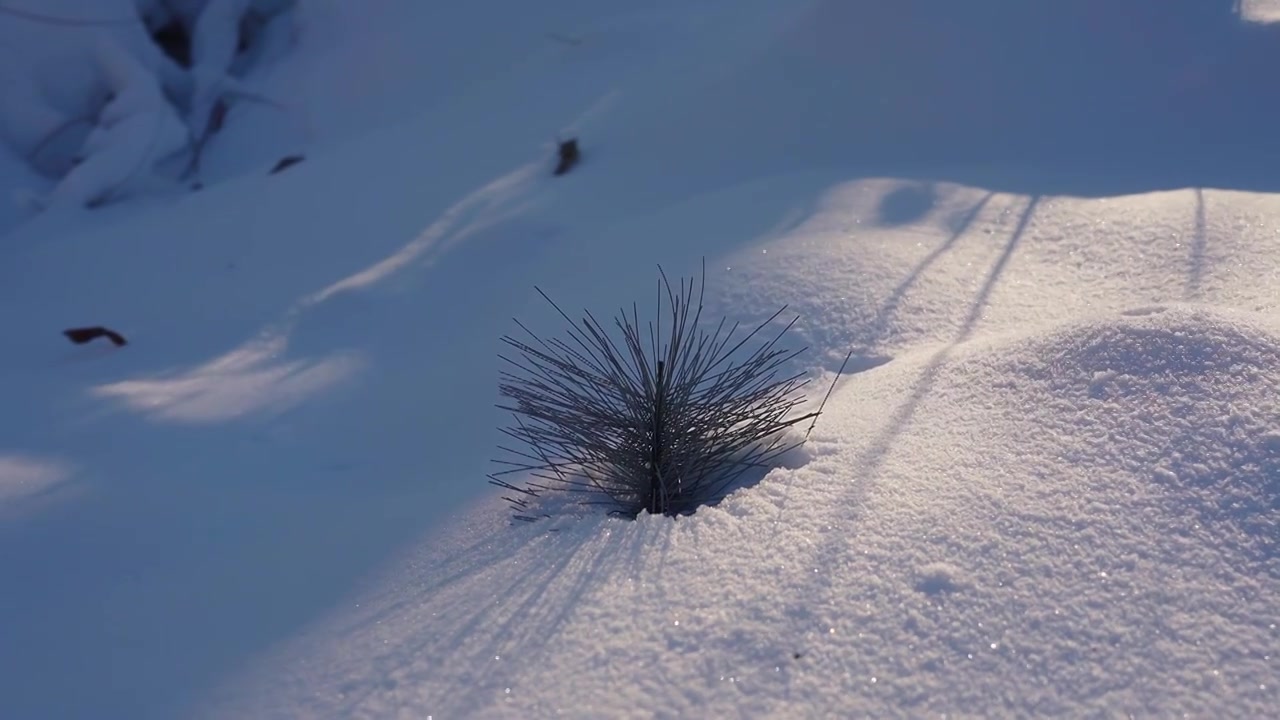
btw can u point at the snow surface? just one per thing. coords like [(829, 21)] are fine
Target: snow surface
[(1049, 486)]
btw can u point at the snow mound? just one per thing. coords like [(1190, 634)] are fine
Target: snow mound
[(1185, 397), (886, 265), (1084, 518)]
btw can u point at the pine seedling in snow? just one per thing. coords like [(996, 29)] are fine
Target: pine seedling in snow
[(660, 418)]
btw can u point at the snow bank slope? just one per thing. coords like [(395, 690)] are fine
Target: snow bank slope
[(239, 514), (1080, 521), (1070, 393), (1067, 470)]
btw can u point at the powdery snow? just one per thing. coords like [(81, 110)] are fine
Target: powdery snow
[(1049, 484), (1047, 517)]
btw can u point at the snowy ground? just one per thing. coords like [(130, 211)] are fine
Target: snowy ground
[(1052, 488)]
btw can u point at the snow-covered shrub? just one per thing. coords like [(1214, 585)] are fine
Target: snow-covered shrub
[(134, 130), (661, 419), (98, 94)]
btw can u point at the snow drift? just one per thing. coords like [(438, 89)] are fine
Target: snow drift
[(1078, 521), (1049, 488)]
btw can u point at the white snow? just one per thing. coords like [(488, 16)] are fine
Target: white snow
[(24, 477), (213, 48), (1048, 486), (134, 130)]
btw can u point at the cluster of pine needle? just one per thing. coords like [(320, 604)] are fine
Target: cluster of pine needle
[(662, 417)]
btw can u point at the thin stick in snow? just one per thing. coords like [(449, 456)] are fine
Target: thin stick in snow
[(826, 397)]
